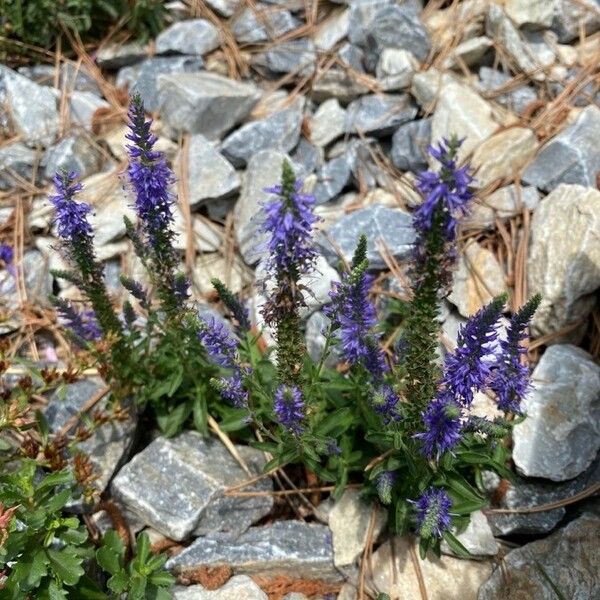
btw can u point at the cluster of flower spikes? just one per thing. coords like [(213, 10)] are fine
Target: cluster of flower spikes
[(151, 178), (288, 222), (433, 515), (353, 319)]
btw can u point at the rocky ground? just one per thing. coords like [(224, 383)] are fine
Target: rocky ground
[(351, 91)]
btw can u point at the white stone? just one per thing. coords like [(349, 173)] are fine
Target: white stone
[(469, 52), (396, 69), (477, 538), (328, 122), (534, 13), (239, 587), (331, 30)]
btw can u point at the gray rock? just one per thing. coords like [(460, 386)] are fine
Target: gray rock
[(337, 83), (239, 587), (470, 52), (259, 24), (74, 153), (279, 131), (71, 77), (352, 56), (517, 99), (525, 494), (282, 547), (83, 107), (409, 145), (316, 325), (175, 485), (115, 56), (142, 77), (389, 26), (395, 69), (564, 258), (568, 558), (193, 36), (332, 178), (308, 157), (38, 282), (560, 437), (16, 162), (204, 102), (264, 170), (210, 175), (31, 109), (367, 173), (224, 7), (571, 157), (392, 227), (295, 56), (109, 443), (573, 18), (332, 29), (477, 538), (328, 122), (379, 115), (537, 14)]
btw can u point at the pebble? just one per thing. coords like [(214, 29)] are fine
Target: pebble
[(16, 159), (564, 258), (337, 83), (388, 226), (395, 69), (279, 131), (379, 115), (204, 102), (535, 14), (297, 56), (409, 145), (193, 36), (570, 157), (332, 178), (572, 19), (518, 98), (568, 558), (328, 122), (560, 437), (262, 23), (115, 56), (38, 282), (332, 29), (240, 587), (83, 108), (73, 153)]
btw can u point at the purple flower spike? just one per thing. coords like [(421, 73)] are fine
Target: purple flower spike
[(443, 426), (385, 403), (71, 217), (433, 513), (384, 485), (82, 324), (288, 407), (6, 254)]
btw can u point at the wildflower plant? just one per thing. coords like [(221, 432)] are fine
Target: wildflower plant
[(392, 415)]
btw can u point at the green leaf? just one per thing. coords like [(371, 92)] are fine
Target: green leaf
[(108, 560), (56, 593), (37, 569), (119, 582), (467, 507), (57, 478), (461, 488), (87, 589), (142, 549), (42, 425), (137, 589), (456, 546), (66, 564), (162, 579)]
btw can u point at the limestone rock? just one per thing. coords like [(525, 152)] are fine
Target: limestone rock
[(477, 538), (328, 122), (297, 56), (240, 587), (571, 157), (332, 178), (560, 437), (564, 257), (394, 573), (262, 23), (114, 56), (537, 14), (409, 145), (16, 161), (379, 114), (478, 279), (193, 36), (332, 29), (73, 153), (470, 52), (568, 558), (516, 98), (571, 18), (396, 69), (204, 102)]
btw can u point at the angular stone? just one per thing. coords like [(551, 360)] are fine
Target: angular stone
[(477, 538), (526, 494), (235, 275), (208, 236), (352, 56), (349, 521), (71, 77), (337, 83), (391, 26), (16, 162), (571, 157), (502, 156), (478, 279), (142, 78), (73, 153), (516, 99), (308, 157), (193, 36), (379, 115), (279, 132), (175, 485), (441, 23), (210, 175), (427, 87), (409, 145), (332, 29), (571, 19), (504, 34), (332, 178), (568, 558), (502, 204), (328, 123), (83, 107), (38, 282), (396, 571), (396, 69), (264, 171), (109, 443), (204, 102), (295, 56), (31, 109), (564, 257), (239, 587), (115, 56), (461, 111), (470, 52), (259, 24), (316, 325), (560, 437), (537, 14), (224, 7), (382, 225), (280, 548)]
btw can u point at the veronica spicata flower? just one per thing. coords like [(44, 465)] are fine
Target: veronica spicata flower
[(384, 484), (236, 308), (288, 407), (443, 425), (83, 324), (433, 513), (6, 254), (222, 348), (510, 379)]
